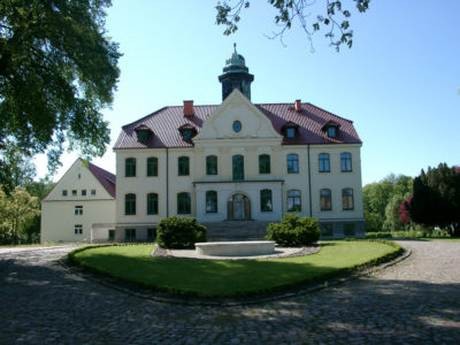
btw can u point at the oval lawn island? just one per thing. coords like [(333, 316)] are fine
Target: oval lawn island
[(231, 278)]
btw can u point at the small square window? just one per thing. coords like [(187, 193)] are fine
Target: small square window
[(74, 192), (83, 192), (78, 210), (93, 192), (64, 192), (78, 229)]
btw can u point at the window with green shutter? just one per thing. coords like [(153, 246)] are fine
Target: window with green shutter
[(183, 166), (211, 165), (152, 166), (184, 203), (152, 203), (238, 167), (130, 204), (266, 204), (264, 164), (130, 167), (211, 201)]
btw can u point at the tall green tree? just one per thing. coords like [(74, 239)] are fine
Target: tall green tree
[(382, 200), (58, 69), (332, 17), (436, 198)]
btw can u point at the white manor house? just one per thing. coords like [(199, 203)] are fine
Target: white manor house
[(235, 166)]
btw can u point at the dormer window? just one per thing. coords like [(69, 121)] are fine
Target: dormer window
[(332, 132), (290, 130), (187, 132), (331, 128), (143, 133)]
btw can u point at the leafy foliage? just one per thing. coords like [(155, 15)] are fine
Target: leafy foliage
[(294, 231), (58, 69), (15, 169), (436, 198), (15, 211), (333, 17), (382, 201), (180, 232)]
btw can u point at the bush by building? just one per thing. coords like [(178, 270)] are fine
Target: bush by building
[(180, 233), (294, 231)]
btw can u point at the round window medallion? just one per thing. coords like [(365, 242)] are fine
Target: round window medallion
[(237, 126)]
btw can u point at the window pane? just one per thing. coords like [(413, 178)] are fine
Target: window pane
[(266, 204), (264, 164), (152, 203), (293, 163), (184, 166), (211, 165), (347, 199), (345, 161), (130, 167), (183, 203), (130, 204), (211, 201), (324, 162), (290, 132), (152, 166), (325, 200), (238, 167), (294, 201)]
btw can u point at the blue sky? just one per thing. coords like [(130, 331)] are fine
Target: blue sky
[(400, 83)]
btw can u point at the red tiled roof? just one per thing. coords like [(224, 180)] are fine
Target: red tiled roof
[(457, 169), (107, 179), (165, 124)]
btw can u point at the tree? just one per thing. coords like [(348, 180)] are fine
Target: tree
[(333, 16), (436, 198), (15, 168), (15, 211), (382, 200), (58, 69)]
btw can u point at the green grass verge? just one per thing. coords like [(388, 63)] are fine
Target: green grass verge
[(230, 278)]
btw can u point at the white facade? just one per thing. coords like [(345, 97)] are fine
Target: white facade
[(78, 209), (256, 137)]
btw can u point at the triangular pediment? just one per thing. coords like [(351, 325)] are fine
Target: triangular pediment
[(237, 118), (78, 177)]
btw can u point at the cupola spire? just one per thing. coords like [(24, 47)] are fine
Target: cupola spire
[(236, 75)]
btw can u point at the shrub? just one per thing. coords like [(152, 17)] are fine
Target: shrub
[(180, 233), (294, 231)]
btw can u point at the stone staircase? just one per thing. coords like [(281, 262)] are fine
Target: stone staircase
[(235, 230)]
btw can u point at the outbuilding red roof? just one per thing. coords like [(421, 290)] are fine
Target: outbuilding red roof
[(107, 179), (165, 124)]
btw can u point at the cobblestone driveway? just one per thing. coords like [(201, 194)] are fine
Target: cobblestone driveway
[(414, 302)]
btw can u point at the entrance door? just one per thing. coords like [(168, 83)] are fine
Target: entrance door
[(239, 207)]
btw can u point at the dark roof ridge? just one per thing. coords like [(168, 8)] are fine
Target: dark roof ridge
[(105, 178), (146, 116), (332, 114)]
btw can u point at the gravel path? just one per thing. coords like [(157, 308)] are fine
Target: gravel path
[(414, 302)]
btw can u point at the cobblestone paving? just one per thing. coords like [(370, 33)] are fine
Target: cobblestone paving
[(414, 302)]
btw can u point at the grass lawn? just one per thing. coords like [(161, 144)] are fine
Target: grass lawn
[(213, 278)]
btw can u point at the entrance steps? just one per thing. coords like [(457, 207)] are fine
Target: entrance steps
[(236, 230)]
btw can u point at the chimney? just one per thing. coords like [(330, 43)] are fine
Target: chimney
[(298, 105), (188, 108)]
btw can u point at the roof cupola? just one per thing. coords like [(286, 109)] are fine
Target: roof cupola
[(236, 76)]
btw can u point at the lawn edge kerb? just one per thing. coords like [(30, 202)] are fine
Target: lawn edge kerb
[(262, 293)]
